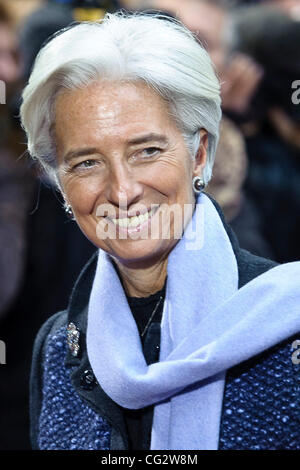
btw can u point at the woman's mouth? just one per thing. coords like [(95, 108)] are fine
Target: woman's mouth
[(135, 223)]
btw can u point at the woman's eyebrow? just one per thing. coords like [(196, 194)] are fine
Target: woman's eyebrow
[(79, 153), (152, 137), (138, 140)]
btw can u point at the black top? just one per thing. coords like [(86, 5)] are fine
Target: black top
[(143, 307), (139, 422)]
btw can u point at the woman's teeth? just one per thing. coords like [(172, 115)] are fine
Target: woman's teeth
[(134, 221)]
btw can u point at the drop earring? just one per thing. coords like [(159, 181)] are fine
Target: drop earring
[(198, 184), (69, 212)]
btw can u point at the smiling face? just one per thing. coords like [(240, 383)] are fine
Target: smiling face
[(120, 154)]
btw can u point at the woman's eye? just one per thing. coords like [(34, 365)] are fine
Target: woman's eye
[(85, 164), (150, 152)]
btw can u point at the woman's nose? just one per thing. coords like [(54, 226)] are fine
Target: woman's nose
[(122, 188)]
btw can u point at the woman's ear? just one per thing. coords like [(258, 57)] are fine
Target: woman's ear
[(201, 155)]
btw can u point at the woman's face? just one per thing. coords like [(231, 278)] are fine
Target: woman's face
[(121, 155)]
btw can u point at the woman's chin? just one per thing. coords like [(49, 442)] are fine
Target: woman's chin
[(137, 254)]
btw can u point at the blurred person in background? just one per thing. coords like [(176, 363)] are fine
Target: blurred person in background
[(240, 75), (15, 201), (291, 7), (227, 187), (271, 124), (14, 188), (9, 63)]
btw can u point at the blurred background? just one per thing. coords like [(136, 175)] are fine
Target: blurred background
[(255, 48)]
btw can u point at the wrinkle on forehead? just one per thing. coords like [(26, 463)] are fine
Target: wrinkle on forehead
[(112, 94), (110, 110)]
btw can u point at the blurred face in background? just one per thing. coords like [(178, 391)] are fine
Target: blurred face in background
[(208, 22), (9, 63), (240, 75), (292, 7)]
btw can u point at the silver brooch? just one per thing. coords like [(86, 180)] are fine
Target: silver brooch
[(73, 339)]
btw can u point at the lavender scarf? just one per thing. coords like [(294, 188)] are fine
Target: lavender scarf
[(208, 326)]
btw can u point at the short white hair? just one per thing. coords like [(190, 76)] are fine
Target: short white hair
[(154, 49)]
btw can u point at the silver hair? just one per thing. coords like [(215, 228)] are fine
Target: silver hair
[(156, 50)]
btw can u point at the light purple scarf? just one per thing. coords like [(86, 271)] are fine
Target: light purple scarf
[(208, 326)]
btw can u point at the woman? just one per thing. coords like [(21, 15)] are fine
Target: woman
[(124, 115)]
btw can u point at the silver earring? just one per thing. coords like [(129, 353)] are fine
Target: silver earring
[(69, 212), (198, 184)]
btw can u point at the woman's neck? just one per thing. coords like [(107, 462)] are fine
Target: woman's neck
[(143, 282)]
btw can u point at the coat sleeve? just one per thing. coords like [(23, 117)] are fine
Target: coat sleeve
[(36, 374)]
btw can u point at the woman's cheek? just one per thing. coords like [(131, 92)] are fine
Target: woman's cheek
[(82, 194)]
